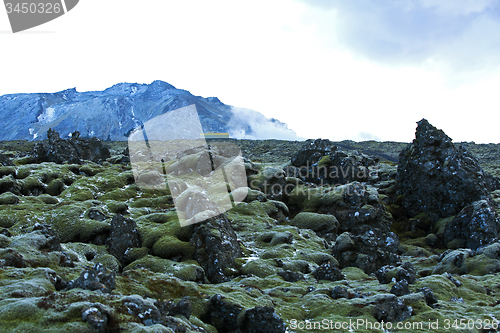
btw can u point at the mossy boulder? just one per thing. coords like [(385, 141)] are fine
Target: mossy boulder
[(70, 225), (169, 247), (8, 198), (188, 271), (55, 187), (320, 223), (7, 170), (261, 267)]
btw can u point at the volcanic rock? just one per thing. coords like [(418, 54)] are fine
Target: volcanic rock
[(476, 225), (368, 251), (123, 235), (320, 162), (95, 279), (437, 178), (217, 247), (74, 150)]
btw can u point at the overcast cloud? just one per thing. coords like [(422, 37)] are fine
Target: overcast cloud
[(462, 34), (336, 69)]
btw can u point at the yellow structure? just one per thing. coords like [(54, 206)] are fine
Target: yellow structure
[(214, 135)]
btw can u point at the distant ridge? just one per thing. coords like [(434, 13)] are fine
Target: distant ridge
[(113, 113)]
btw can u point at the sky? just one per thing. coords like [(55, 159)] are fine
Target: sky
[(332, 69)]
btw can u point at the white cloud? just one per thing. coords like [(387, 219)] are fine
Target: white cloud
[(259, 127)]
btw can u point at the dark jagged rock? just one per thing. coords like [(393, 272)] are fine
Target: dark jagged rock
[(291, 276), (144, 309), (95, 214), (328, 271), (262, 319), (312, 151), (475, 226), (392, 309), (183, 307), (430, 298), (97, 316), (339, 292), (368, 251), (359, 210), (320, 162), (52, 243), (216, 247), (123, 235), (230, 317), (400, 288), (223, 314), (387, 273), (94, 279), (437, 178), (57, 281), (75, 150)]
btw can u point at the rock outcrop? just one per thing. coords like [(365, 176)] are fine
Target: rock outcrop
[(437, 178), (217, 247), (476, 225), (75, 150), (321, 162), (123, 236)]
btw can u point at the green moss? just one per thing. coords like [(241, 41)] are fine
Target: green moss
[(136, 253), (31, 184), (442, 287), (355, 274), (80, 190), (438, 228), (70, 225), (482, 265), (315, 222), (48, 199), (154, 226), (171, 247), (116, 207), (324, 161), (4, 241), (91, 169), (10, 217), (281, 251), (188, 271), (108, 261), (260, 267), (7, 170), (8, 198), (55, 187)]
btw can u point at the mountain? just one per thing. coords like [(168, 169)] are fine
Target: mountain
[(113, 113)]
